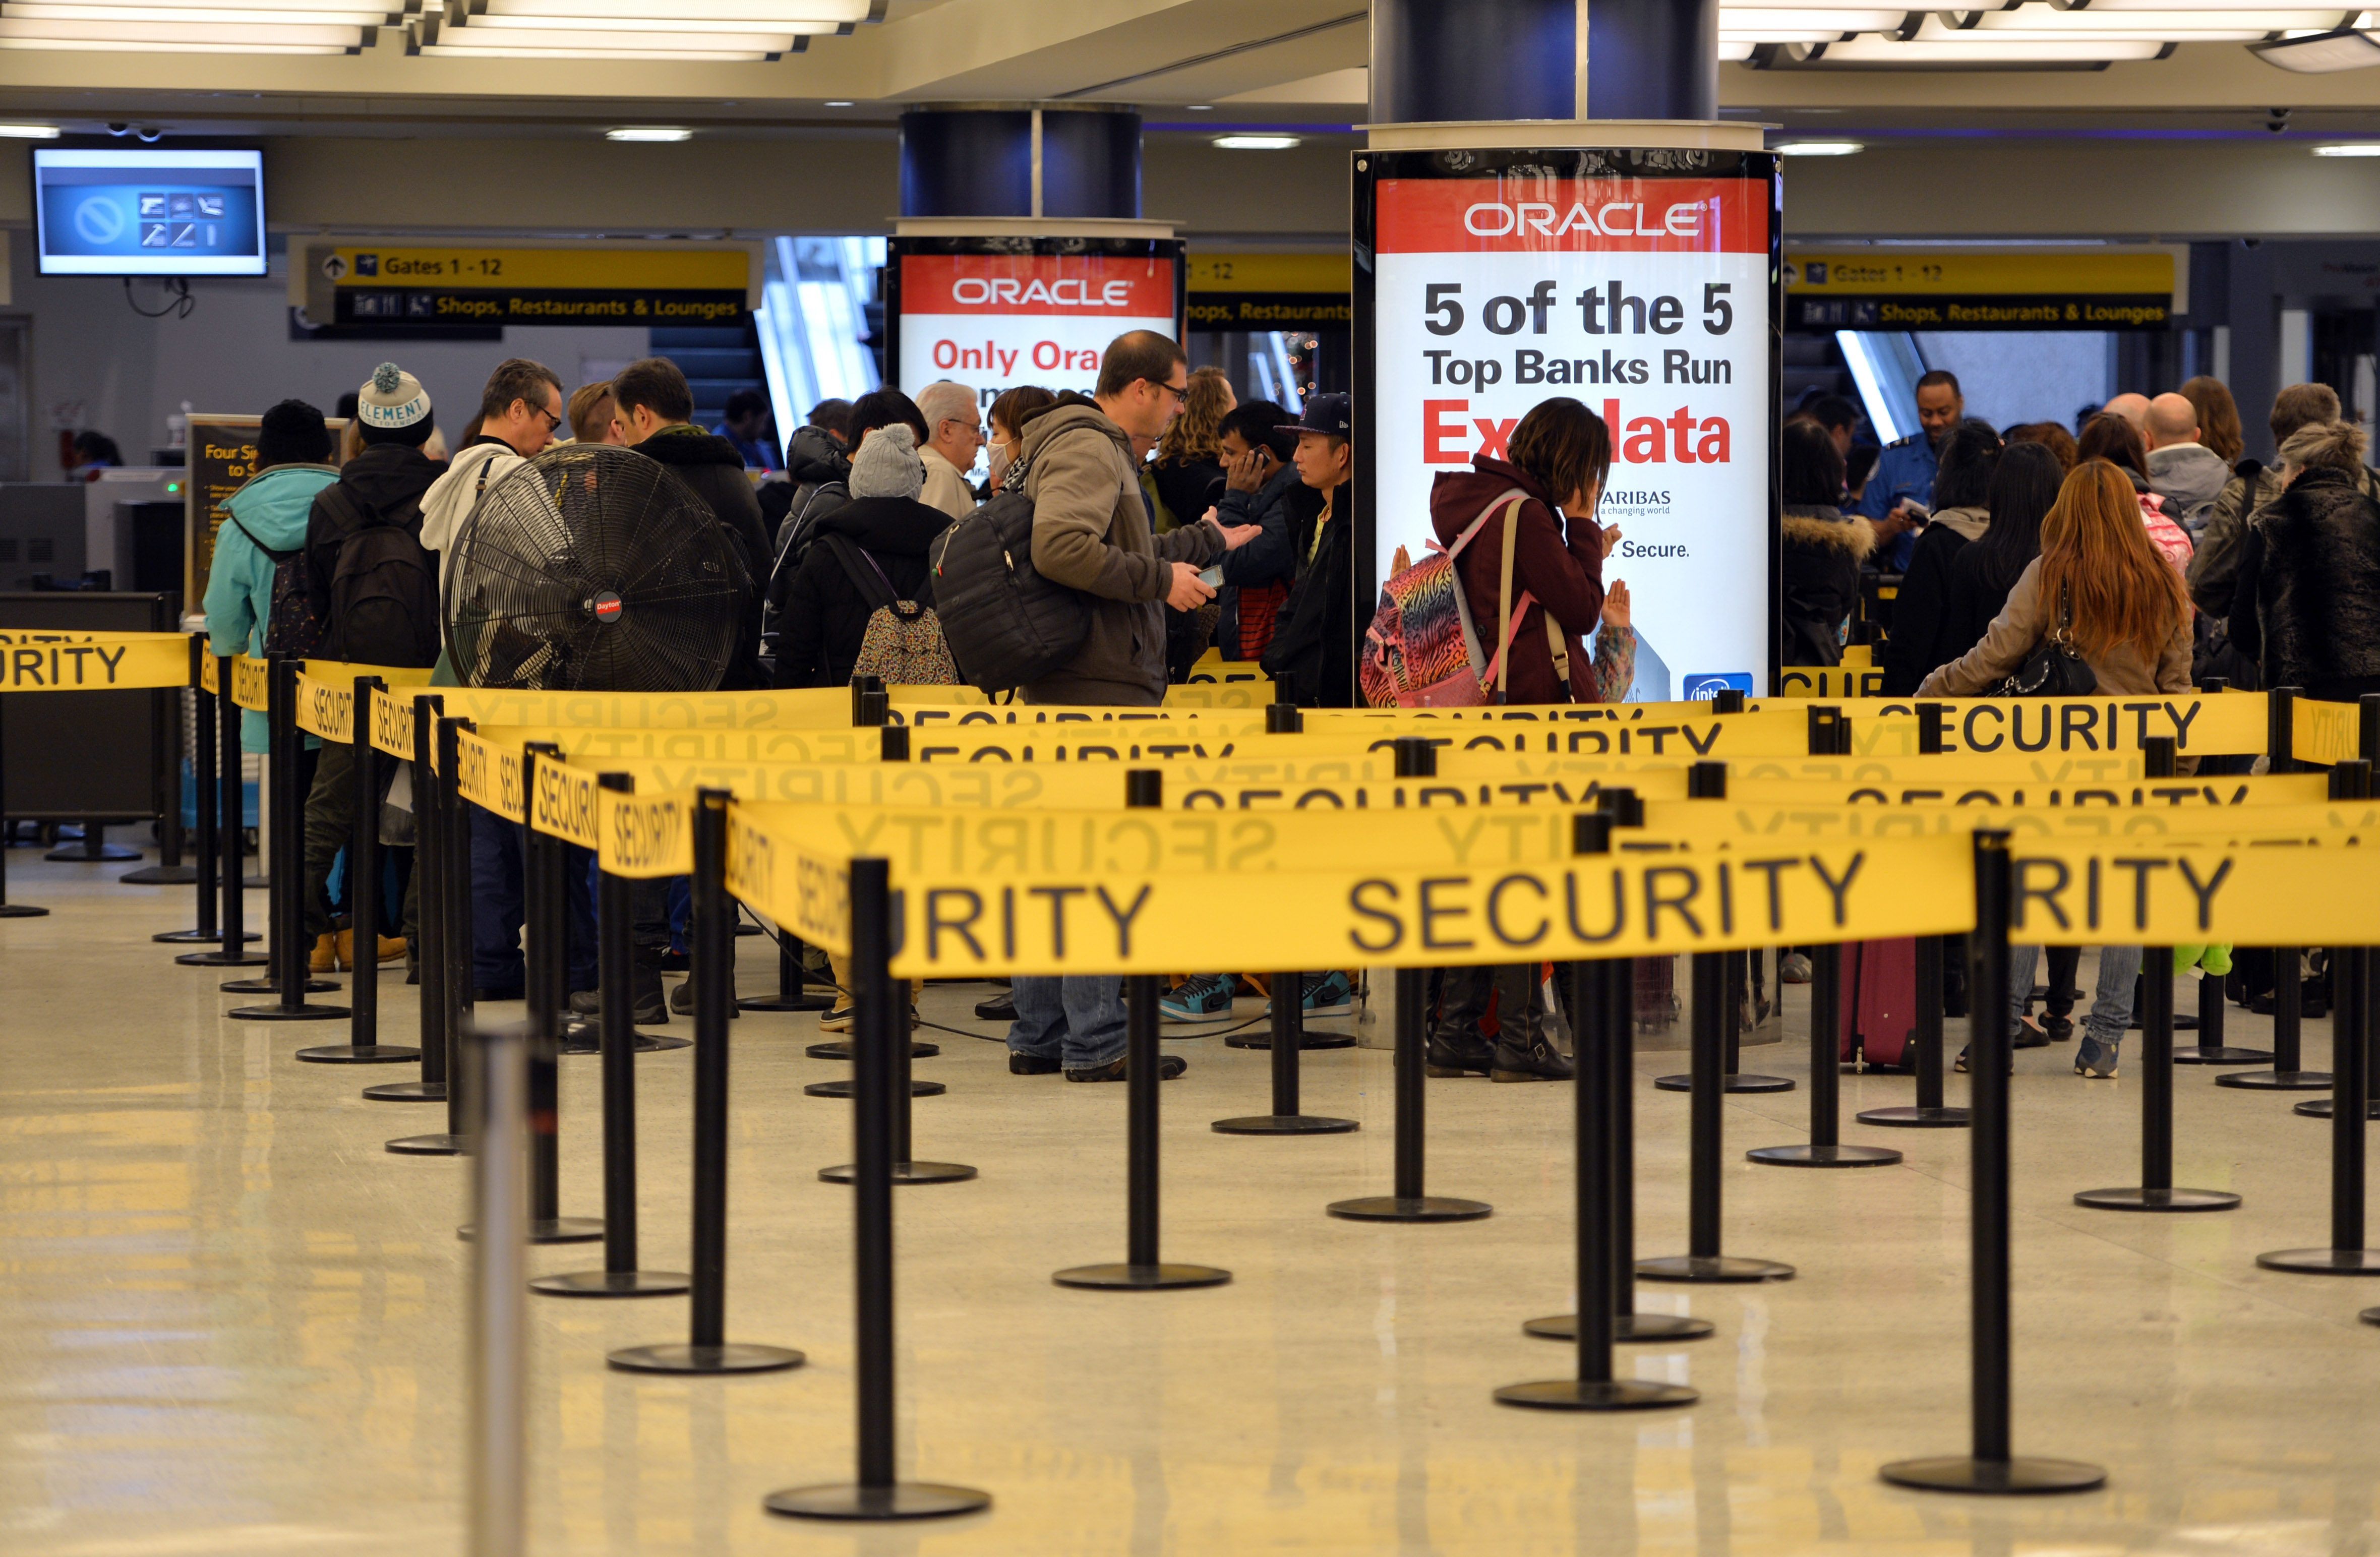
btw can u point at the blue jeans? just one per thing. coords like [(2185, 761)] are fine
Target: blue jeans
[(2111, 1002), (1077, 1022), (497, 910)]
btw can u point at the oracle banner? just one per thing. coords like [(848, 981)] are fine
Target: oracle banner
[(994, 320), (1646, 291)]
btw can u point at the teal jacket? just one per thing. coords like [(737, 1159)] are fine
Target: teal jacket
[(272, 508)]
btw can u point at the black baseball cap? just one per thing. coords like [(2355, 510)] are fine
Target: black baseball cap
[(1333, 414)]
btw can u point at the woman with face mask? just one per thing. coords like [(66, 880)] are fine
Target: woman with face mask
[(1013, 407)]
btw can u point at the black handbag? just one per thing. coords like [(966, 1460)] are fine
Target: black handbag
[(2053, 669)]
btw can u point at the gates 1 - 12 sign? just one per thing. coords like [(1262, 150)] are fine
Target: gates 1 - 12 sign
[(996, 320), (1643, 292)]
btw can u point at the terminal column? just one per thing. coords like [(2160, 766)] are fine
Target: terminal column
[(1080, 160), (1442, 60)]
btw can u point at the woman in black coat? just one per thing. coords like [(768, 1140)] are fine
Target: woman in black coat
[(879, 538), (2308, 601), (1921, 630), (1822, 549)]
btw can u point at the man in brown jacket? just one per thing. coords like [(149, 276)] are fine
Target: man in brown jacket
[(1091, 528)]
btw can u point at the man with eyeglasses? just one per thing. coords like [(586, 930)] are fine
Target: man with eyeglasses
[(954, 424), (518, 411), (1091, 532)]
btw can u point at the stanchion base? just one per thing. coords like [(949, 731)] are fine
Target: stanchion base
[(1918, 1118), (1141, 1278), (1809, 1155), (655, 1043), (1284, 1125), (220, 959), (552, 1229), (807, 1003), (2157, 1199), (70, 853), (430, 1146), (305, 1011), (359, 1054), (580, 1038), (196, 937), (2370, 1315), (904, 1172), (677, 1357), (2221, 1054), (1624, 1328), (162, 876), (407, 1093), (2277, 1080), (2319, 1107), (268, 985), (1738, 1083), (1711, 1268), (844, 1089), (1409, 1208), (26, 911), (1311, 1040), (1607, 1394), (1963, 1473), (840, 1048), (613, 1283), (2323, 1263), (901, 1499)]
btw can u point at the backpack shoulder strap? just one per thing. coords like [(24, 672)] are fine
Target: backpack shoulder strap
[(861, 569), (342, 509), (276, 558), (1511, 495)]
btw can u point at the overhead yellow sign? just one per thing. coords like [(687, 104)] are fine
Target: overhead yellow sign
[(363, 281), (1995, 289)]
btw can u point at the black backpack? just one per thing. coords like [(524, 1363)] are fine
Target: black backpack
[(383, 590), (1006, 624)]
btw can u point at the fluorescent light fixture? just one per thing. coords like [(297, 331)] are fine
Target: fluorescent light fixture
[(1202, 107), (596, 40), (649, 132), (1256, 143), (144, 46), (1977, 48), (1820, 149), (2345, 149), (2321, 54), (2238, 25), (1870, 384), (1736, 49), (840, 102), (29, 132), (748, 16), (49, 10), (176, 36), (626, 30), (1770, 25), (532, 50)]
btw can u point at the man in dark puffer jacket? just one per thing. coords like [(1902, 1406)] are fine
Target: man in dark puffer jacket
[(656, 408)]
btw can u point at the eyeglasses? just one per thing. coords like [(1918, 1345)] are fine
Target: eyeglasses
[(553, 419), (974, 432), (1180, 393)]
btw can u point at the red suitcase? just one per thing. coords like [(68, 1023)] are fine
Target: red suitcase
[(1881, 1003)]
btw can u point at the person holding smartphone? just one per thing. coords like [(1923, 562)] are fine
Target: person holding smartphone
[(1262, 488)]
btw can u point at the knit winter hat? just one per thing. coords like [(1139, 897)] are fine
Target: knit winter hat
[(887, 464), (393, 400), (292, 433)]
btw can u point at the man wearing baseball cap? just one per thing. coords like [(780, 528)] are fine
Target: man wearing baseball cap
[(1314, 643)]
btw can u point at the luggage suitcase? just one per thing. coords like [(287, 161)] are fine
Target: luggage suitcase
[(1657, 993), (1879, 1016)]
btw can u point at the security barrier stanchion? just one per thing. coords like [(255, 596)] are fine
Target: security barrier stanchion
[(1707, 781), (499, 1431), (1992, 1466), (1288, 1039), (895, 749), (230, 825), (2351, 780), (899, 1050), (1826, 1147), (1141, 1270), (2156, 1191), (706, 1348), (1928, 1114), (441, 1058), (9, 910), (284, 809), (614, 917), (2288, 1073), (881, 1021), (363, 1046), (202, 786)]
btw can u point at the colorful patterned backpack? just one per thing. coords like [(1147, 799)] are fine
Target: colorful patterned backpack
[(1422, 649), (903, 642)]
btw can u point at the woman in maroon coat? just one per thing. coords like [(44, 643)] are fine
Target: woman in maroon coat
[(1557, 457)]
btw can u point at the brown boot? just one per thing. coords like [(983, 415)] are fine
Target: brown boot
[(328, 954)]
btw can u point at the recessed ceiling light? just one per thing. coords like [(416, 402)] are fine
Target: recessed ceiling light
[(1256, 143), (1820, 149), (840, 102), (29, 132), (1202, 108), (649, 132), (2350, 148)]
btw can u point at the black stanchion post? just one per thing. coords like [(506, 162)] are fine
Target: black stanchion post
[(1992, 1466), (895, 749), (614, 917), (1929, 1113), (9, 910), (2288, 1073), (2158, 762), (1142, 1270), (1707, 781), (442, 1060), (1826, 1149), (498, 1327), (363, 1046), (706, 1348), (166, 717), (223, 723), (286, 809), (203, 810), (2351, 780), (880, 1022)]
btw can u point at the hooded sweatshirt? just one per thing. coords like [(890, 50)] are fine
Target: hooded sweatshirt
[(2190, 477), (451, 497), (1091, 532), (269, 511)]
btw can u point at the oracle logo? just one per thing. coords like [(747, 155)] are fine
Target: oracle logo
[(1612, 219), (1068, 292)]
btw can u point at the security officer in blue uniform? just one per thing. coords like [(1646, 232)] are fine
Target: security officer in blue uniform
[(1904, 471)]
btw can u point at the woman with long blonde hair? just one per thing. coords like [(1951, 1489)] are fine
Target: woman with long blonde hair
[(2101, 586), (1187, 476)]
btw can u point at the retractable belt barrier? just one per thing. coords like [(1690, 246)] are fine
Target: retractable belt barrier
[(35, 660)]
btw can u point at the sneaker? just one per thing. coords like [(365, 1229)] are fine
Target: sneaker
[(1202, 997), (1022, 1064), (1473, 1055), (1168, 1067), (1324, 994), (2095, 1059), (681, 1000), (1960, 1064), (1539, 1061), (836, 1020), (646, 1007), (1794, 968), (2029, 1036), (1000, 1007)]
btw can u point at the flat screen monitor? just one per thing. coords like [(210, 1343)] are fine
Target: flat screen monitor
[(150, 213)]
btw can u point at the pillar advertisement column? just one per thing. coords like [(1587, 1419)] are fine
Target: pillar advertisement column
[(1628, 264)]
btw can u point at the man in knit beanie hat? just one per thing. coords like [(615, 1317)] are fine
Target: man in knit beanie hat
[(393, 407)]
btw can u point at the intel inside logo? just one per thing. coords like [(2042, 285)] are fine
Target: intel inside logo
[(1703, 688)]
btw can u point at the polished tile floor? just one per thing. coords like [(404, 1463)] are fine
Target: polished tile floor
[(230, 1321)]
